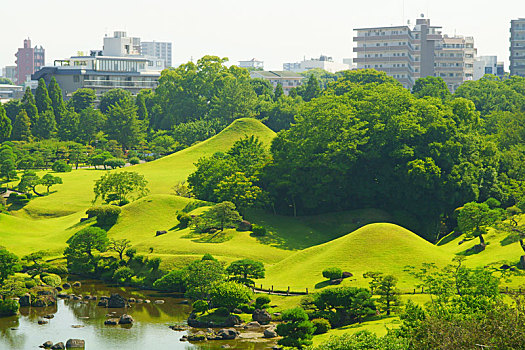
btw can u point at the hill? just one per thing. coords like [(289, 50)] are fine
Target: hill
[(380, 247)]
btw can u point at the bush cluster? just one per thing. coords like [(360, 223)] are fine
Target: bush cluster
[(106, 215)]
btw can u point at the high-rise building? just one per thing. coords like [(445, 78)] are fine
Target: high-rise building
[(120, 45), (9, 72), (252, 64), (408, 54), (28, 60), (488, 65), (323, 62), (158, 49), (517, 47)]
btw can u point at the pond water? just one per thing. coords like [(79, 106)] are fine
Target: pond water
[(73, 319)]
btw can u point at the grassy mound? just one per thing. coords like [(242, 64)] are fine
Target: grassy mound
[(376, 247)]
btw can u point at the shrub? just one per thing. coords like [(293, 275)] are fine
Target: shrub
[(20, 199), (321, 325), (123, 274), (184, 219), (246, 308), (230, 295), (262, 302), (222, 311), (258, 230), (333, 273), (57, 269), (171, 282), (208, 256), (9, 307), (106, 215), (30, 284), (52, 280), (200, 306), (149, 158), (134, 160), (114, 163), (61, 166), (296, 330)]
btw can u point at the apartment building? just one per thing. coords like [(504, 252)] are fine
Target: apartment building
[(28, 60), (488, 65), (409, 53), (517, 47), (288, 80), (158, 49)]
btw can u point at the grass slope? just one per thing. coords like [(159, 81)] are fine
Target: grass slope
[(376, 247)]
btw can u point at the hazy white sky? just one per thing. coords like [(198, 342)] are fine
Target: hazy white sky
[(274, 31)]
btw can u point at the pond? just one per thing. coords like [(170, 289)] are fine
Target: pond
[(85, 320)]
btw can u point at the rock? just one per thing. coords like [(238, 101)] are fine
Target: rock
[(87, 297), (43, 322), (178, 328), (253, 324), (347, 274), (77, 297), (336, 281), (225, 346), (58, 289), (77, 326), (505, 267), (50, 316), (270, 333), (103, 303), (231, 321), (58, 346), (159, 301), (277, 348), (25, 300), (139, 301), (48, 344), (199, 336), (227, 334), (77, 284), (237, 311), (160, 233), (116, 301), (132, 300), (277, 314), (125, 319), (244, 226), (104, 298), (184, 338), (66, 286), (75, 344), (111, 322), (63, 296), (261, 316), (147, 301)]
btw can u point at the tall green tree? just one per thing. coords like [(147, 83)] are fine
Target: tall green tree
[(121, 187), (114, 97), (243, 271), (29, 105), (475, 218), (310, 90), (22, 127), (82, 99), (222, 215), (296, 330), (431, 87), (57, 101), (68, 128), (123, 125), (45, 126), (5, 125), (9, 264), (278, 92), (7, 163), (42, 100), (91, 121), (82, 249)]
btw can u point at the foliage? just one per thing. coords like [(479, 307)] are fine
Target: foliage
[(475, 218), (364, 340), (134, 160), (61, 166), (171, 282), (82, 99), (106, 215), (201, 277), (321, 325), (120, 186), (258, 230), (222, 215), (389, 298), (52, 280), (296, 330), (8, 307), (230, 295), (119, 246), (22, 127), (245, 270), (5, 125), (49, 180), (82, 246), (184, 219), (262, 302), (332, 273), (122, 275), (114, 163), (200, 306), (431, 87), (9, 264), (123, 125)]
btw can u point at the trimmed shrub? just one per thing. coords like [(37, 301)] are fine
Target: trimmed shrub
[(123, 274), (262, 302), (20, 199), (222, 311), (114, 163), (321, 325), (52, 280), (134, 160), (258, 230), (230, 295), (30, 284), (61, 166), (208, 256), (172, 282), (200, 306), (333, 273), (184, 219), (106, 215), (9, 307), (246, 308), (57, 269)]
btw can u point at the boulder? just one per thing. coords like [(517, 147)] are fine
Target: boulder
[(245, 226), (77, 297), (336, 281), (261, 316), (116, 301), (159, 301), (75, 344), (77, 284), (277, 314), (139, 301), (185, 302), (505, 267), (231, 321), (237, 311), (47, 345), (347, 274), (199, 336), (58, 289), (104, 298), (111, 321), (253, 324), (58, 346), (66, 286), (227, 334), (178, 328), (43, 321), (270, 333), (184, 338), (132, 300), (125, 319), (160, 233), (147, 301), (103, 303), (49, 316), (25, 300)]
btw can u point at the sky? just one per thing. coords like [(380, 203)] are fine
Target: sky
[(274, 31)]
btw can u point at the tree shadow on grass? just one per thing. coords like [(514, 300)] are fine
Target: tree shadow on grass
[(511, 238), (472, 251), (449, 238), (322, 284)]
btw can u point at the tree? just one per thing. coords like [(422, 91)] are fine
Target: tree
[(68, 128), (9, 264), (230, 295), (36, 258), (123, 125), (431, 87), (240, 190), (201, 276), (29, 181), (120, 246), (90, 123), (7, 163), (333, 273), (140, 103), (388, 294), (57, 101), (82, 246), (244, 270), (310, 90), (29, 105), (82, 99), (113, 97), (278, 92), (45, 126), (5, 125), (42, 100), (475, 218), (296, 329), (22, 127), (173, 281), (49, 180), (222, 215), (120, 186)]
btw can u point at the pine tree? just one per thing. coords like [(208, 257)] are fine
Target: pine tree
[(45, 126), (42, 100), (142, 111), (29, 105), (312, 90), (68, 127), (57, 101), (22, 127), (278, 92), (123, 125), (5, 125)]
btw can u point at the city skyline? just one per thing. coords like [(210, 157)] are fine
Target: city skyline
[(274, 33)]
